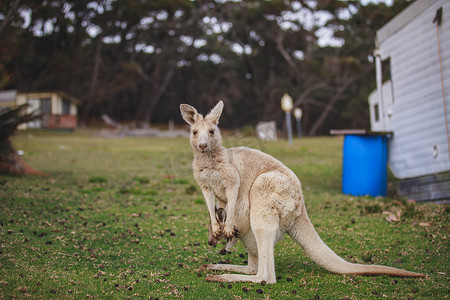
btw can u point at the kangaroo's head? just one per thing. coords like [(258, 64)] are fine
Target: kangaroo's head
[(205, 135)]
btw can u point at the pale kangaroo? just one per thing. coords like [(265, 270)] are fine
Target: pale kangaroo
[(263, 201)]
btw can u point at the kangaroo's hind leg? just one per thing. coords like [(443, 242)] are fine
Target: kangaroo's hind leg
[(265, 240), (251, 268), (264, 222)]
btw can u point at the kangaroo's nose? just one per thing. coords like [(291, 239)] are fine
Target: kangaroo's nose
[(202, 147)]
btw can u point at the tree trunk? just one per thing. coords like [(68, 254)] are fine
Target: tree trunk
[(330, 106), (11, 163), (157, 97), (94, 78)]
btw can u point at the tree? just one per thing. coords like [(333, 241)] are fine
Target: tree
[(10, 162), (138, 60)]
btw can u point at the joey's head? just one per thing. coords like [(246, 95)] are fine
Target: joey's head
[(205, 135)]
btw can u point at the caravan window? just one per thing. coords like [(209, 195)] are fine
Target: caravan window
[(376, 112), (387, 77), (386, 67)]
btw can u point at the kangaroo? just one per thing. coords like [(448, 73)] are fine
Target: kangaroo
[(263, 201)]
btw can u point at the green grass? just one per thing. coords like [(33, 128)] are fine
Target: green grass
[(120, 218)]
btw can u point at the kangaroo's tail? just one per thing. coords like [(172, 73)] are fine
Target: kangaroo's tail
[(304, 233)]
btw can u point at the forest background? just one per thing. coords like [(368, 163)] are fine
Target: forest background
[(138, 60)]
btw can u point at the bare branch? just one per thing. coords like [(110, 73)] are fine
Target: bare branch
[(11, 9)]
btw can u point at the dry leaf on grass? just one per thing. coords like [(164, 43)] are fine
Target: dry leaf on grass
[(392, 217), (424, 224)]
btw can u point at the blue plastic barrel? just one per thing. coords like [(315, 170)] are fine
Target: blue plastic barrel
[(364, 169)]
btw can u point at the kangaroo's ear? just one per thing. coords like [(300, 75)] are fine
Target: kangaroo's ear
[(215, 113), (189, 114)]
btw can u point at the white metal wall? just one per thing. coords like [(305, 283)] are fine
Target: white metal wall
[(419, 145)]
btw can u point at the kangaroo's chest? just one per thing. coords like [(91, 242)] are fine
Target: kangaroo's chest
[(215, 180)]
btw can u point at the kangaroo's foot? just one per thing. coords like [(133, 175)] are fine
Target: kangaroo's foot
[(239, 278), (249, 269)]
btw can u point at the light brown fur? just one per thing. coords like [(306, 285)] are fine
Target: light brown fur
[(263, 201)]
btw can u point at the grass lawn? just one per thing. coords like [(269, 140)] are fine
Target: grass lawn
[(119, 218)]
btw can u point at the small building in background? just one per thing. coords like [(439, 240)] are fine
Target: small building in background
[(412, 98), (267, 131), (58, 109)]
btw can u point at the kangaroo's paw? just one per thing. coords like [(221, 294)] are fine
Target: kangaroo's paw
[(229, 232), (216, 230)]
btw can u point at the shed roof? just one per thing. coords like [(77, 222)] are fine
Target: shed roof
[(11, 95), (8, 96)]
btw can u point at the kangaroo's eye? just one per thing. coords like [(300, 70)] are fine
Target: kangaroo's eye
[(211, 131), (194, 132)]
